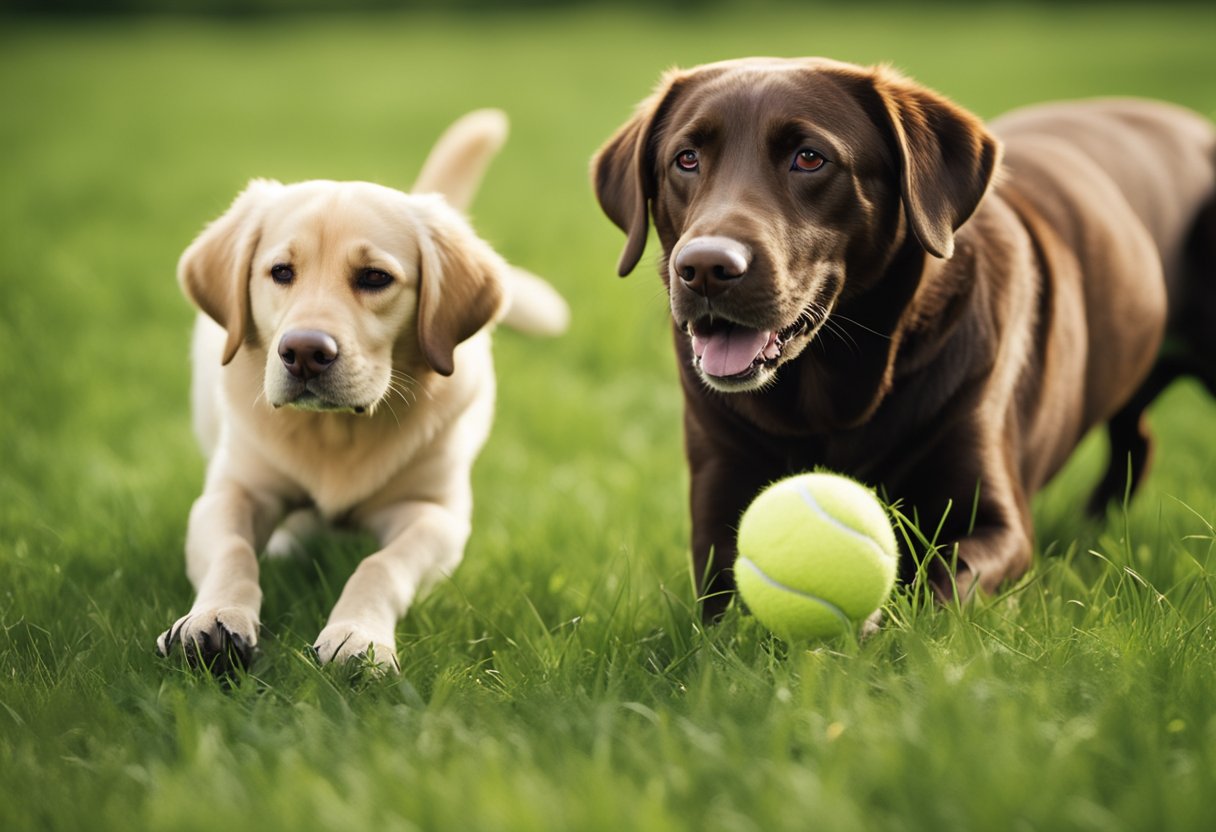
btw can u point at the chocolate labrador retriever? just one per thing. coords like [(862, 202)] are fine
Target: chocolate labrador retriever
[(865, 277)]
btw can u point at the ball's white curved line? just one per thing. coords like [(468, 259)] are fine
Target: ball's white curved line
[(775, 584), (810, 500)]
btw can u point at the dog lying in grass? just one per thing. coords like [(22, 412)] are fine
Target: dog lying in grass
[(342, 372), (859, 282)]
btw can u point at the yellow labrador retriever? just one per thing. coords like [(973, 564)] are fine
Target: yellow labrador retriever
[(342, 368)]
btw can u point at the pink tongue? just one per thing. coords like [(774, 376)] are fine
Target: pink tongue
[(730, 351)]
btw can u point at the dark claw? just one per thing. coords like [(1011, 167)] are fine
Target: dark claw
[(338, 649), (198, 649), (231, 652), (237, 641)]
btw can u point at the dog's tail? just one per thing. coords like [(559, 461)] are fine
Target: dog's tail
[(533, 306), (454, 169), (458, 161)]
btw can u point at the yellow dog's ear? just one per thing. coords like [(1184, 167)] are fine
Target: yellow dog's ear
[(622, 171), (214, 270), (460, 285), (947, 158)]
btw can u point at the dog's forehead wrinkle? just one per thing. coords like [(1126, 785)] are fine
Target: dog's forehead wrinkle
[(366, 254), (276, 252), (331, 234), (801, 99), (702, 129)]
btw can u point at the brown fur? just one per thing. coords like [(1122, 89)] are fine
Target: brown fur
[(946, 325)]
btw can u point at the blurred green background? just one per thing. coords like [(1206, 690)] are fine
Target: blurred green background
[(560, 680)]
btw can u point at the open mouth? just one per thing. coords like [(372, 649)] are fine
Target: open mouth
[(732, 352)]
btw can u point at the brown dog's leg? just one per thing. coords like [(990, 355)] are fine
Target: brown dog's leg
[(1191, 350), (722, 485), (1197, 325), (966, 493), (1131, 443), (994, 553), (993, 535)]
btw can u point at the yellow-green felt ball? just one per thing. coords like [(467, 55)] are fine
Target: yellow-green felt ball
[(817, 555)]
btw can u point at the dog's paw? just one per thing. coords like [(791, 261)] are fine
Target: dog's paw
[(290, 539), (220, 640), (347, 642), (872, 624)]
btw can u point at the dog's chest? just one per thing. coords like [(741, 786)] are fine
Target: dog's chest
[(337, 461)]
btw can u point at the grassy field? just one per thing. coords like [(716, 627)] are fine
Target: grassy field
[(560, 680)]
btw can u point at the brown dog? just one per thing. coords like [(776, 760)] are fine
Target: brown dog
[(860, 279)]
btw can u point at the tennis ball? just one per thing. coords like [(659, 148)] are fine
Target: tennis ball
[(817, 554)]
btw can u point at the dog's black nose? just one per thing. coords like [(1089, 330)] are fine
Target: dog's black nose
[(307, 352), (709, 265)]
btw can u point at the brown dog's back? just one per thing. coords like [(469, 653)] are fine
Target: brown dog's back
[(1111, 190), (1161, 158)]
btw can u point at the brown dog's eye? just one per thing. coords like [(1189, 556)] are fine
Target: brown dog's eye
[(373, 279), (807, 160), (282, 274), (688, 160)]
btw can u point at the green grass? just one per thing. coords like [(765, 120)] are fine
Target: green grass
[(560, 680)]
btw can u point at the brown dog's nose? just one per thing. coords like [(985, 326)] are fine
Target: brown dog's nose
[(307, 352), (709, 265)]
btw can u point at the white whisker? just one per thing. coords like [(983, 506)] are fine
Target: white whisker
[(402, 385), (860, 325), (388, 403), (410, 383), (833, 328), (402, 392)]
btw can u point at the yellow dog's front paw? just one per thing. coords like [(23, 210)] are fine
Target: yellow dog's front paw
[(344, 642), (218, 639)]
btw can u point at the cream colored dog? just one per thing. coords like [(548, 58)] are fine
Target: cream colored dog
[(342, 370)]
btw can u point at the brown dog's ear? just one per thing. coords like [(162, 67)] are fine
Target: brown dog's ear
[(460, 285), (622, 171), (947, 158), (214, 270)]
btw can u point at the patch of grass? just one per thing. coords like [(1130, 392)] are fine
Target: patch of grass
[(561, 679)]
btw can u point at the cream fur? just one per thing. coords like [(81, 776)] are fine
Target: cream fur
[(385, 438)]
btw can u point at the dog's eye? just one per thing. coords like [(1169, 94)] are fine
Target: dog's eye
[(688, 160), (282, 274), (807, 160), (373, 279)]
